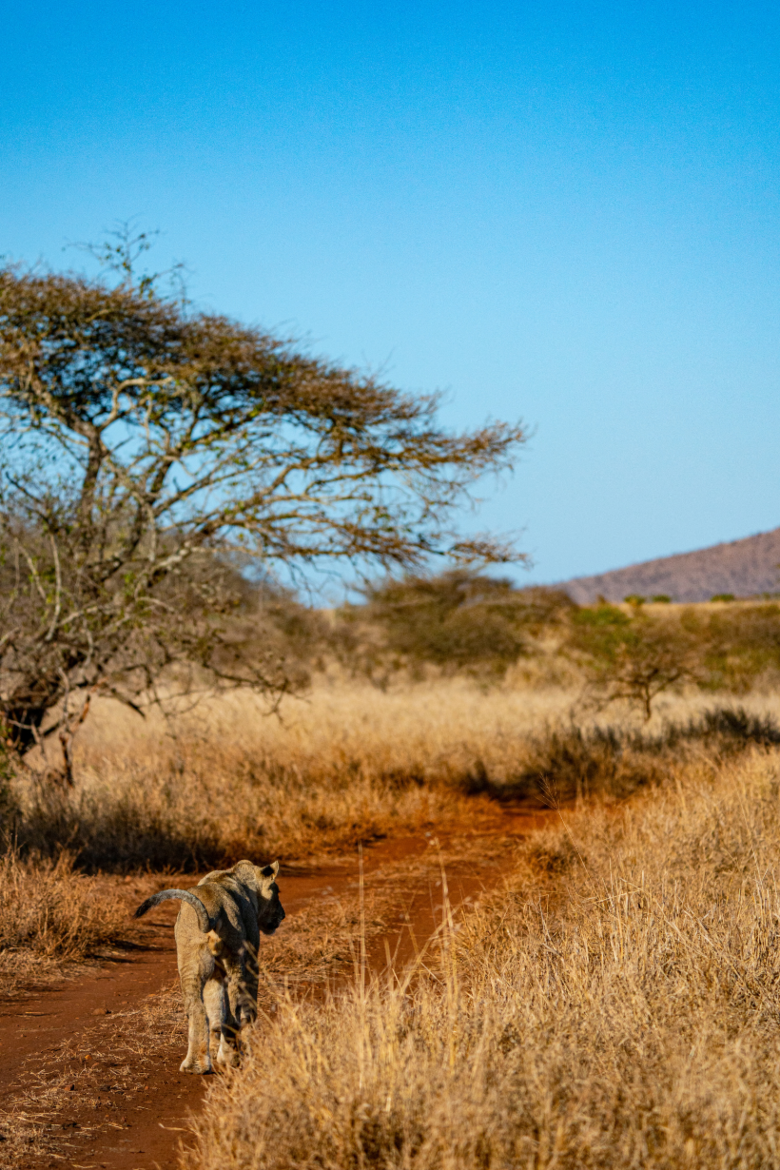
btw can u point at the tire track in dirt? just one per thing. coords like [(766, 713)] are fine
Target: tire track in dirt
[(89, 1068)]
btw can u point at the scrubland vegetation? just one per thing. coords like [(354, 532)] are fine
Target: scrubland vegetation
[(52, 915), (485, 627), (351, 764), (437, 700), (614, 1006)]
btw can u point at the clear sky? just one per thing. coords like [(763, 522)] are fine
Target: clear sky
[(563, 212)]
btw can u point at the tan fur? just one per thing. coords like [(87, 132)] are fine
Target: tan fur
[(218, 965)]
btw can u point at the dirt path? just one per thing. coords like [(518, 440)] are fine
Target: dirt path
[(89, 1071)]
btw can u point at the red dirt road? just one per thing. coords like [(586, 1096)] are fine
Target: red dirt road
[(89, 1068)]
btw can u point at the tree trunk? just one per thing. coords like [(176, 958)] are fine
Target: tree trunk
[(25, 708)]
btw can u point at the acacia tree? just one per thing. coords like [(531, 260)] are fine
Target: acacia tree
[(145, 444)]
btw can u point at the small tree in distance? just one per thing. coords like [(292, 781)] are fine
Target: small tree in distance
[(634, 657), (148, 449)]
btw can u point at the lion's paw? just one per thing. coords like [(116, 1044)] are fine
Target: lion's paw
[(199, 1067)]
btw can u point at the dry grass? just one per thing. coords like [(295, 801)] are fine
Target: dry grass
[(351, 764), (614, 1007), (226, 780), (52, 917), (617, 1006)]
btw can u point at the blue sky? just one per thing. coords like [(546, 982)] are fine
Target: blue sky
[(566, 213)]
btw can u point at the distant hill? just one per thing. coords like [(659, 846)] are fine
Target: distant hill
[(742, 567)]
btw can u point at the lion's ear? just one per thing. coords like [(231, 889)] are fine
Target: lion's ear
[(270, 871)]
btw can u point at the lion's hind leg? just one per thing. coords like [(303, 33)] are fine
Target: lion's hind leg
[(222, 1025), (195, 968), (197, 1059)]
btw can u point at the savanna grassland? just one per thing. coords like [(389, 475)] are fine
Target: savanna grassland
[(612, 1003), (347, 764)]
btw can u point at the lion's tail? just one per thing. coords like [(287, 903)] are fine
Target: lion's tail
[(204, 921)]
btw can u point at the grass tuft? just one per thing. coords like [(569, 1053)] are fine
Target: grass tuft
[(50, 914)]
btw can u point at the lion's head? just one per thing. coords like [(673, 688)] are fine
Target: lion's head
[(270, 912)]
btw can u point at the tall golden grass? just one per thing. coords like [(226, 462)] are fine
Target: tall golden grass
[(615, 1006), (226, 780)]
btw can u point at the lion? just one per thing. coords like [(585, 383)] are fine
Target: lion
[(217, 939)]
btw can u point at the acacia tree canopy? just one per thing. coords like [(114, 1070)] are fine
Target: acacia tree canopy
[(143, 444)]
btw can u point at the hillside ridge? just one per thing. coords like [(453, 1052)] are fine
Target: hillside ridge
[(743, 567)]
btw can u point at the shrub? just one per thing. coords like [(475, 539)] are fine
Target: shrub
[(460, 620), (740, 645), (732, 728)]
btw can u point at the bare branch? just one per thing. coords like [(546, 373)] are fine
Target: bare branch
[(58, 589)]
